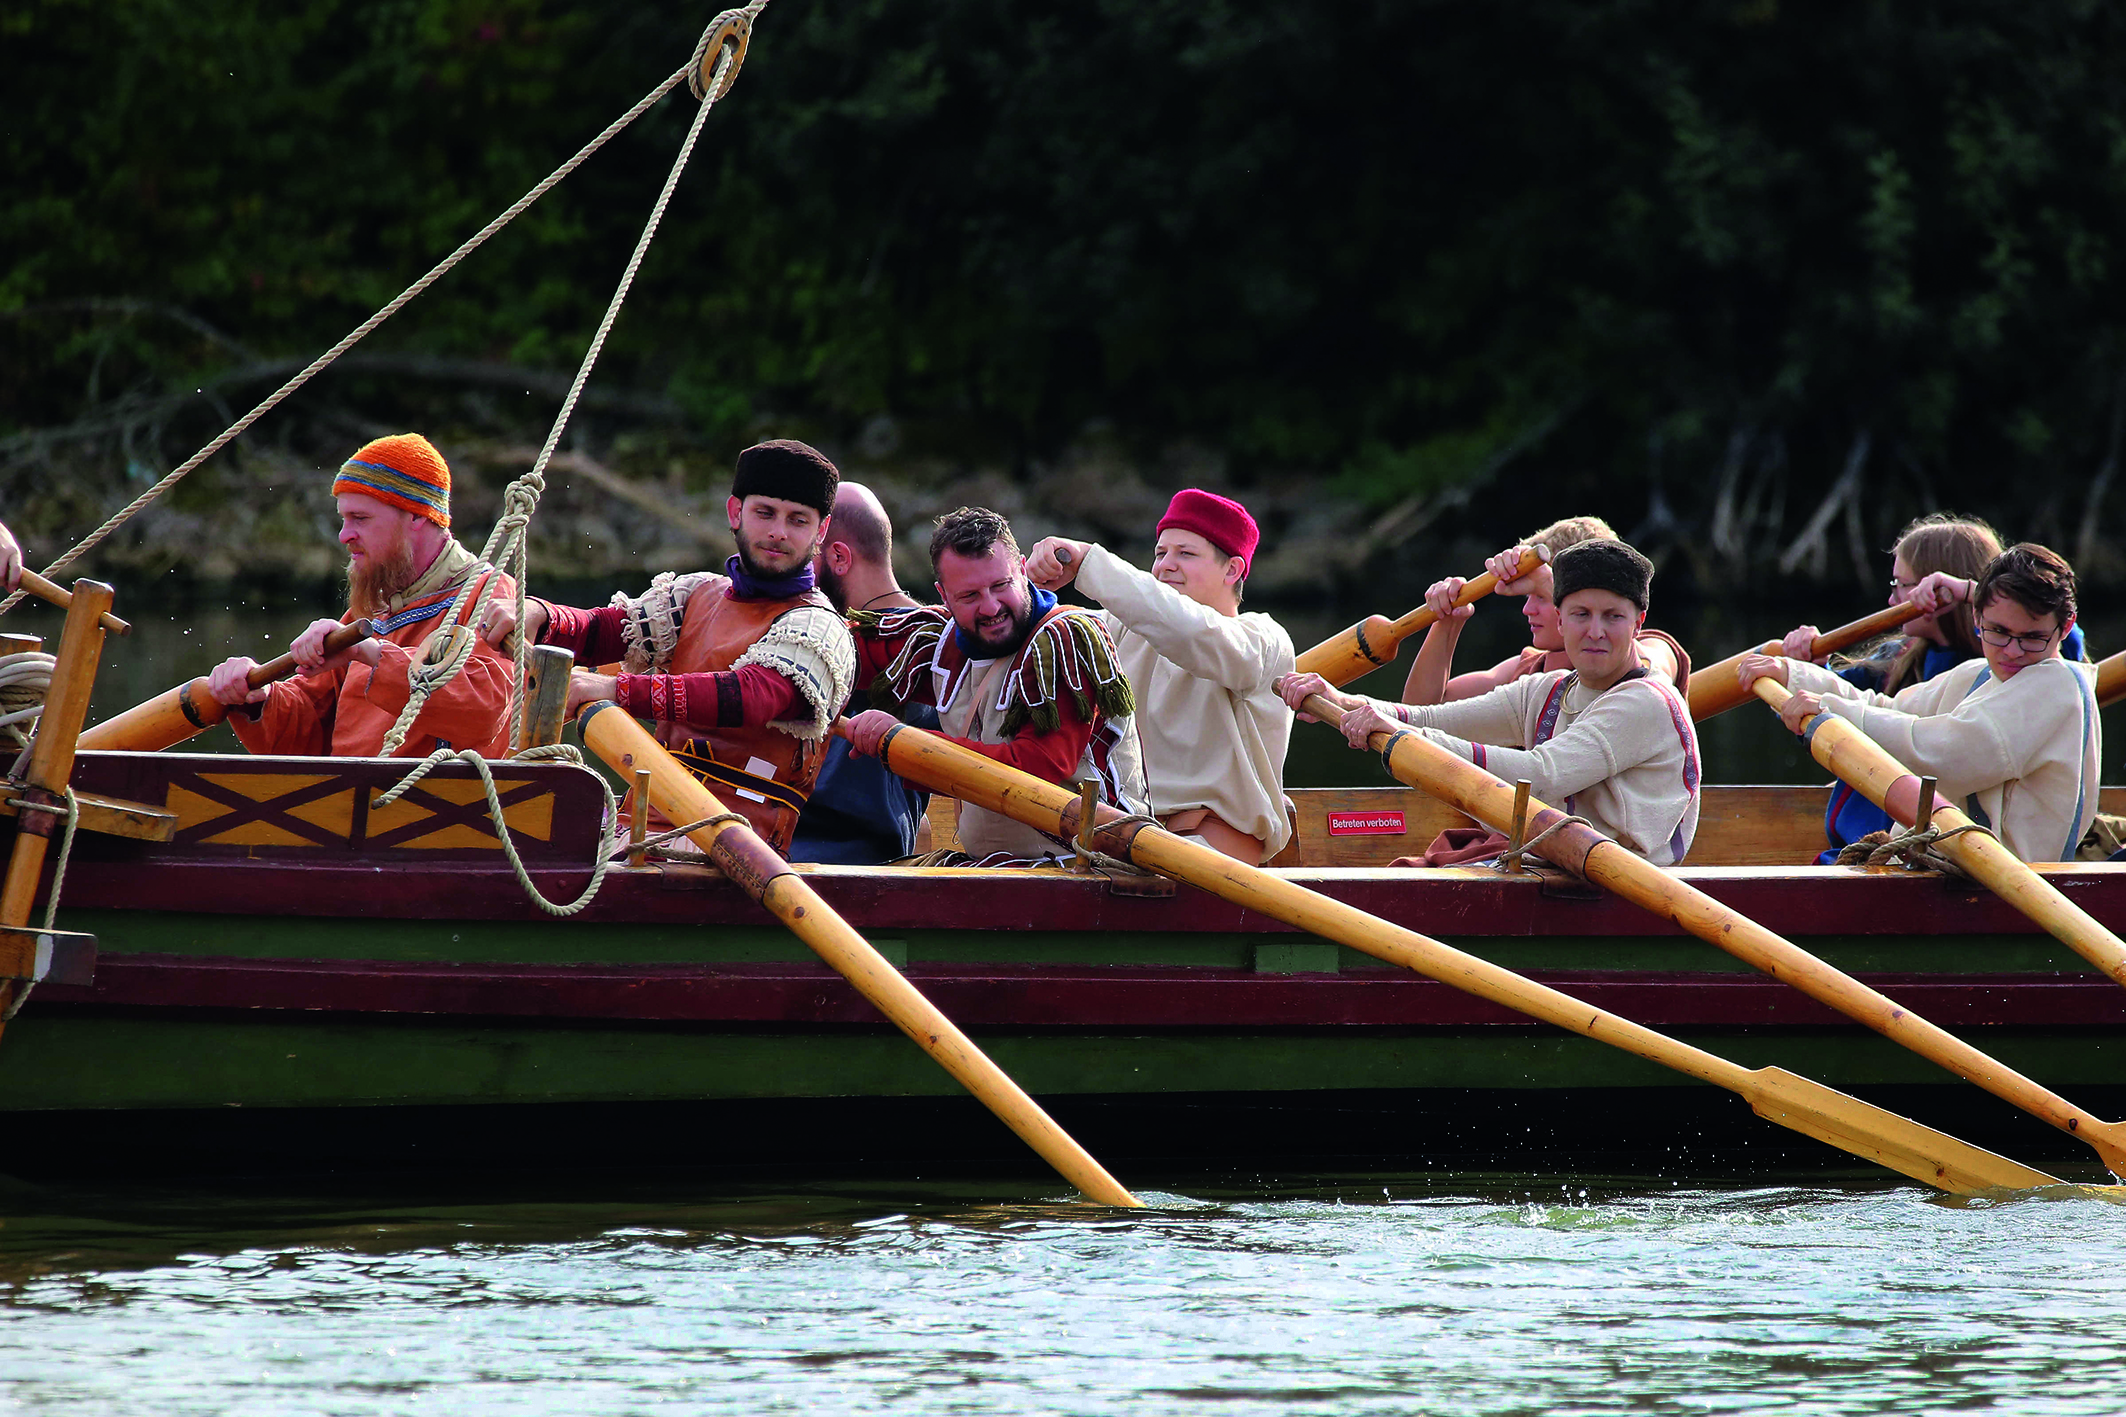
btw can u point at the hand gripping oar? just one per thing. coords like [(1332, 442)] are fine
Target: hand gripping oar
[(740, 853), (1775, 1094), (1373, 641), (1582, 850), (1857, 759), (1716, 688), (189, 710)]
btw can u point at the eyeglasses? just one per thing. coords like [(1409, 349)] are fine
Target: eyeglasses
[(2029, 644), (1898, 587)]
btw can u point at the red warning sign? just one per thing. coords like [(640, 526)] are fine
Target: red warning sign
[(1367, 824)]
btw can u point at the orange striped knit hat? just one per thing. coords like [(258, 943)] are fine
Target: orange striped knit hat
[(403, 471)]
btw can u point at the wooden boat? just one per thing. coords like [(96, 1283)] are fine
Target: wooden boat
[(295, 979)]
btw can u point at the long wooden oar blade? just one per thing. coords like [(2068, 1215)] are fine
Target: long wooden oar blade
[(189, 710), (1854, 1126), (1859, 760), (1896, 1142), (1579, 848), (750, 862), (1359, 650), (1716, 689)]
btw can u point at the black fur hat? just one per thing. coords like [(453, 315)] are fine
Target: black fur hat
[(1601, 565), (789, 471)]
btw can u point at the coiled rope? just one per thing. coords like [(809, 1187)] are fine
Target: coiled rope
[(24, 681), (731, 49)]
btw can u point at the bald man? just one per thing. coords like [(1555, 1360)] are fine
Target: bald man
[(860, 814)]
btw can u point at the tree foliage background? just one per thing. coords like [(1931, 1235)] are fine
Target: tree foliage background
[(1758, 280)]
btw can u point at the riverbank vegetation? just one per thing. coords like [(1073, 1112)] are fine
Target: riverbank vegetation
[(1757, 280)]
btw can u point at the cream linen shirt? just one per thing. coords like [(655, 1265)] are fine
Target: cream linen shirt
[(1214, 731), (2020, 755), (1626, 759)]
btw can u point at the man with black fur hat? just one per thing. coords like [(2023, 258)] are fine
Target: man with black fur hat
[(1603, 739), (743, 673)]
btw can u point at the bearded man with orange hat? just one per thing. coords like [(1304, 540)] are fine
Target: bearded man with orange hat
[(403, 569), (743, 673), (1213, 728)]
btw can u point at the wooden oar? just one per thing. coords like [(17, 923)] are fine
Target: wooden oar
[(1857, 759), (740, 853), (1582, 850), (1775, 1094), (60, 596), (1373, 641), (2111, 679), (189, 710), (1716, 689)]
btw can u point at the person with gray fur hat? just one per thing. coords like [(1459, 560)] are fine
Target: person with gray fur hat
[(1602, 739)]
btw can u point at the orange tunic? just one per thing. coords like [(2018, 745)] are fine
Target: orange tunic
[(347, 712)]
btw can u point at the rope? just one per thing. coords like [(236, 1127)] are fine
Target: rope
[(506, 544), (51, 904), (442, 268), (561, 752), (1511, 861), (650, 843), (24, 681), (1916, 847)]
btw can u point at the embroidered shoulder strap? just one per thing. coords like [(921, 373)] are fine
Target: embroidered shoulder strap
[(1546, 726), (1069, 651)]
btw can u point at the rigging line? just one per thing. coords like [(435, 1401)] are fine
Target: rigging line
[(516, 208), (506, 543)]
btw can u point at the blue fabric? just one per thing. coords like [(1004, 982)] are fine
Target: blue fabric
[(1851, 816), (859, 814), (1043, 602), (745, 586)]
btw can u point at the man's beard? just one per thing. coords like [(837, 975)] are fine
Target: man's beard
[(370, 582), (759, 572), (831, 584), (1011, 641)]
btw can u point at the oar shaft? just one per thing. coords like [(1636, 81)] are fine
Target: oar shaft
[(2111, 679), (1360, 649), (190, 709), (942, 766), (60, 596), (1461, 784), (749, 862), (1716, 689), (1857, 759)]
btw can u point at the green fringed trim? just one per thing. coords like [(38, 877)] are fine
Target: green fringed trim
[(1040, 686), (862, 620)]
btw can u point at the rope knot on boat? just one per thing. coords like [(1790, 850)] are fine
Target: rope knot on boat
[(1914, 847)]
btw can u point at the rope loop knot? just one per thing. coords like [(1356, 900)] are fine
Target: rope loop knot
[(1915, 848)]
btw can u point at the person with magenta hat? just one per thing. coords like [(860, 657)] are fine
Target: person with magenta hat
[(1213, 728)]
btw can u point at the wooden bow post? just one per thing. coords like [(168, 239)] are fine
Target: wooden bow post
[(1777, 1095), (39, 798), (189, 710), (1362, 648), (1857, 759), (1718, 687), (1580, 849), (748, 861)]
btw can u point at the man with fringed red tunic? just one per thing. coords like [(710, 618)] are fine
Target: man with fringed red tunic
[(744, 673), (403, 569), (1013, 675)]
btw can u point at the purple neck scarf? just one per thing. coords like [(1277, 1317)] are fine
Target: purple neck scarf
[(746, 586)]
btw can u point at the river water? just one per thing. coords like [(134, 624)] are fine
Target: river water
[(1449, 1293), (1375, 1294)]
